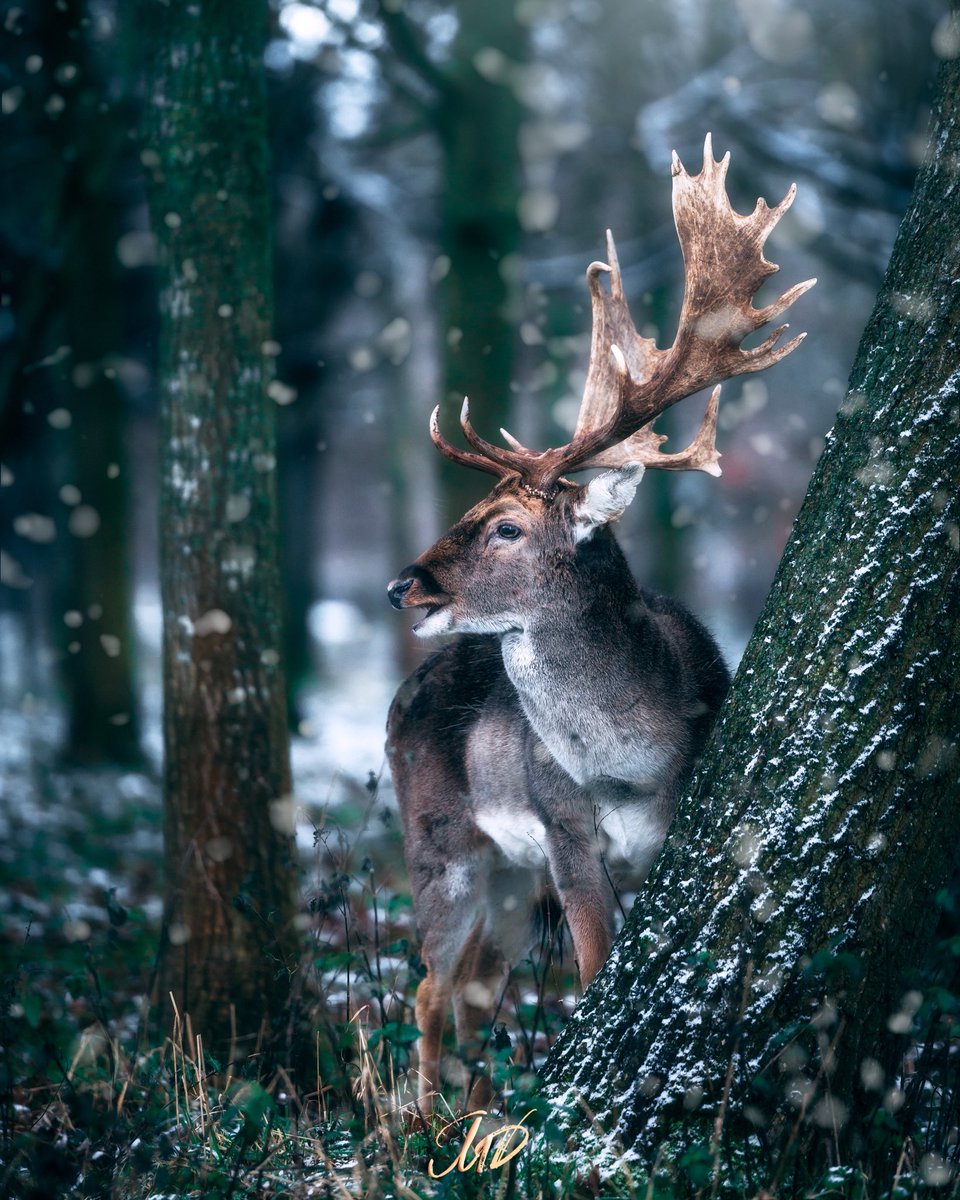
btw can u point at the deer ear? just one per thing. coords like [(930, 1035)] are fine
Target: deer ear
[(604, 499)]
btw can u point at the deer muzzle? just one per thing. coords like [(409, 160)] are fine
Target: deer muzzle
[(397, 590), (416, 588)]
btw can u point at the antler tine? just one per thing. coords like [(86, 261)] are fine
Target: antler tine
[(780, 305), (644, 447), (613, 326), (702, 453), (464, 458), (768, 352), (497, 454), (616, 279)]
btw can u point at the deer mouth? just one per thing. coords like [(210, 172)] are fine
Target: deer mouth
[(433, 607)]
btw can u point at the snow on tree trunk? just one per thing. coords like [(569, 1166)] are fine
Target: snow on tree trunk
[(229, 940), (767, 972)]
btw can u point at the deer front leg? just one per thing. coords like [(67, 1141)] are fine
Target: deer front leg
[(585, 896)]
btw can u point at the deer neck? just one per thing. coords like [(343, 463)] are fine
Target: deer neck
[(574, 665)]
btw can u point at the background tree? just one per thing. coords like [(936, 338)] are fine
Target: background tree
[(71, 324), (473, 105), (759, 999), (479, 121), (229, 943), (98, 667), (314, 226)]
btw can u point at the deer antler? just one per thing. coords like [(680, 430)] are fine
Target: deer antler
[(630, 382)]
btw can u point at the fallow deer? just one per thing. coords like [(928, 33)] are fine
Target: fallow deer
[(555, 734)]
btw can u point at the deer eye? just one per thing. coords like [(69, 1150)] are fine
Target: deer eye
[(509, 531)]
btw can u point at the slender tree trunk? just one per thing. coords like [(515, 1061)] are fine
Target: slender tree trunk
[(770, 975), (479, 122), (229, 938), (102, 705), (315, 234), (96, 588)]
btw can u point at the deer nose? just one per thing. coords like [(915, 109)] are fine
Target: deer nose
[(397, 590)]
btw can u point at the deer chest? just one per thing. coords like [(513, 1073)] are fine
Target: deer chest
[(593, 727)]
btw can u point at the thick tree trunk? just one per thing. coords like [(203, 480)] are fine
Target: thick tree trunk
[(768, 979), (229, 938)]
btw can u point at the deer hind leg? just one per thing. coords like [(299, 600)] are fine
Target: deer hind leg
[(496, 944), (477, 986), (432, 1005), (449, 909)]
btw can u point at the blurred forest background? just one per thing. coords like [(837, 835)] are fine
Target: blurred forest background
[(442, 176)]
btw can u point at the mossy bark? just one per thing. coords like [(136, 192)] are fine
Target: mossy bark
[(229, 932), (768, 972)]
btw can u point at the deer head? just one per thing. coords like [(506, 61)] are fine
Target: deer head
[(480, 576)]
